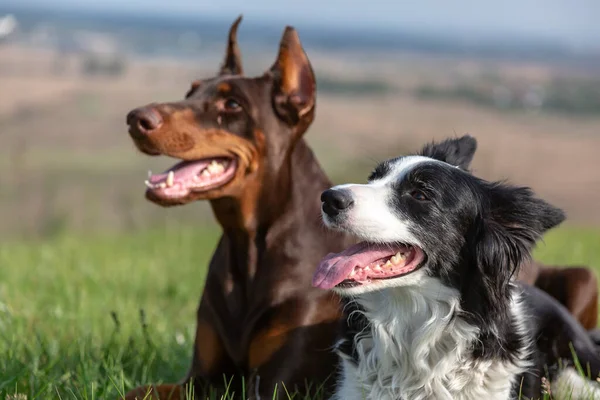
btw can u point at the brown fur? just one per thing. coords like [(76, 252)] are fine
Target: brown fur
[(259, 317), (161, 392), (574, 287), (258, 310)]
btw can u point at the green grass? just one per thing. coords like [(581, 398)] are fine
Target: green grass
[(70, 307), (569, 246), (60, 300)]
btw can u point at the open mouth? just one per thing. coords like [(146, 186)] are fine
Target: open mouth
[(192, 176), (365, 263)]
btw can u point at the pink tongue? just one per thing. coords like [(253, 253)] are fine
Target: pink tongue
[(335, 268), (182, 171)]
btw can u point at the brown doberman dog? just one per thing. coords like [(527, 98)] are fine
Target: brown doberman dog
[(241, 145), (574, 287)]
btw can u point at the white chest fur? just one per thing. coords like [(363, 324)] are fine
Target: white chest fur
[(416, 348)]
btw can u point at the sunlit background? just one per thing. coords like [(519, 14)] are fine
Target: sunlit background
[(79, 240), (523, 77)]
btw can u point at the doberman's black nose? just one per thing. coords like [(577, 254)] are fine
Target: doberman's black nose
[(144, 120), (336, 201)]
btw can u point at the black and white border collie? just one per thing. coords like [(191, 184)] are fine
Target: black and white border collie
[(433, 311)]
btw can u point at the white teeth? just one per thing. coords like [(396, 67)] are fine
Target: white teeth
[(366, 268), (352, 273), (388, 264), (397, 258), (215, 167), (377, 268)]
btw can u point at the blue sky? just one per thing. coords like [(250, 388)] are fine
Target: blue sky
[(576, 22)]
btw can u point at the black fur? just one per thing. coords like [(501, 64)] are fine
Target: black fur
[(381, 170), (487, 229), (458, 152), (475, 234)]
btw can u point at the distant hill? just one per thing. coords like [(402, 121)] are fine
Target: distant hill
[(148, 34)]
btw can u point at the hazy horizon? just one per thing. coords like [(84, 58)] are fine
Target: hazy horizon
[(571, 23)]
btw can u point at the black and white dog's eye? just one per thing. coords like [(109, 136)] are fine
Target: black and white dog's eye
[(418, 195)]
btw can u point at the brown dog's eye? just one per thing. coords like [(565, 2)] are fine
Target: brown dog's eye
[(418, 195), (231, 105)]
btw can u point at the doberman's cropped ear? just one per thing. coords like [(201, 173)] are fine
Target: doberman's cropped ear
[(232, 65), (294, 81), (458, 152)]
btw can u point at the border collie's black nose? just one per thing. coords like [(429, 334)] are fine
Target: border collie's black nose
[(336, 201)]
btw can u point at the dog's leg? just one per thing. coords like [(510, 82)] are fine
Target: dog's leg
[(573, 338), (283, 338), (160, 392), (582, 296), (576, 288), (213, 372)]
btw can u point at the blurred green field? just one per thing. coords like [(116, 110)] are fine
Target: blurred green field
[(91, 317)]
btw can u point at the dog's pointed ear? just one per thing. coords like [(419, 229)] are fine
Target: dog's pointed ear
[(232, 65), (294, 82), (458, 152), (515, 221)]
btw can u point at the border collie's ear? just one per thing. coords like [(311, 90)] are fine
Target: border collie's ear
[(458, 152), (520, 212), (512, 225)]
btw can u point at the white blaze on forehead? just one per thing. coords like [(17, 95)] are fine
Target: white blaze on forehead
[(403, 166), (372, 216)]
